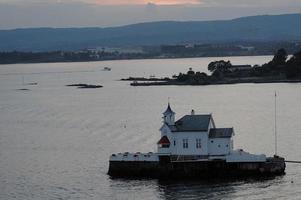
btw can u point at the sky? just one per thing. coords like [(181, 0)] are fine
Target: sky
[(107, 13), (133, 2)]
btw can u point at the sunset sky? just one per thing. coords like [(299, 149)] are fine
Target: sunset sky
[(109, 2), (105, 13), (131, 2)]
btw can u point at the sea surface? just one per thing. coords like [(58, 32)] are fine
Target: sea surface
[(55, 141)]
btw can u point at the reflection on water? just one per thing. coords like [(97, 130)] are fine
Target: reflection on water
[(192, 189), (196, 190)]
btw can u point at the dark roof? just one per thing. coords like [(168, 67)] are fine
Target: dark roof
[(164, 140), (168, 110), (221, 132), (192, 123), (172, 128)]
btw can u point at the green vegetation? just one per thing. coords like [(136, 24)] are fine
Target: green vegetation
[(193, 78), (280, 68)]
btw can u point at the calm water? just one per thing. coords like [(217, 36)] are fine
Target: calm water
[(55, 141)]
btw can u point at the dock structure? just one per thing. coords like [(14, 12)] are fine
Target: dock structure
[(194, 147)]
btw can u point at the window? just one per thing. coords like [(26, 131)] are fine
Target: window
[(165, 146), (198, 143), (174, 143), (185, 143)]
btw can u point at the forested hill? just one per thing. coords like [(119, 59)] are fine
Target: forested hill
[(247, 29)]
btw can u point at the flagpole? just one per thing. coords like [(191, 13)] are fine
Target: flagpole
[(275, 128)]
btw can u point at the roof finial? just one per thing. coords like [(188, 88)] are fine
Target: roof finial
[(168, 110)]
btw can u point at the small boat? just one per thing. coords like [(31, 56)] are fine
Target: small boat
[(106, 69), (32, 83)]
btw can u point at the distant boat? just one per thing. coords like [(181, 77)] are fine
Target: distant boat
[(30, 83), (106, 69)]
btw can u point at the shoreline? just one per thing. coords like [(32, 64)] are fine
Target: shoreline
[(221, 82), (122, 59), (279, 70)]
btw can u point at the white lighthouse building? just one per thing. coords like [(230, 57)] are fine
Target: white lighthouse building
[(192, 147), (193, 135)]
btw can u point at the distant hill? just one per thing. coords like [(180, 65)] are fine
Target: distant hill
[(255, 29)]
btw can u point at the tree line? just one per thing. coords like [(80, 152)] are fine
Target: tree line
[(280, 67)]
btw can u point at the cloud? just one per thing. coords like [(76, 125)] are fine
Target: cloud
[(142, 2), (151, 7), (84, 13), (250, 3), (205, 3)]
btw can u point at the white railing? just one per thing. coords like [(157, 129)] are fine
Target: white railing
[(134, 157)]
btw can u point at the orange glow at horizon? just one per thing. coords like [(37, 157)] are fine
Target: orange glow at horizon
[(139, 2)]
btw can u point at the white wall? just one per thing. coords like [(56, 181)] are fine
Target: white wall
[(211, 124), (191, 150), (219, 146), (241, 156), (166, 131)]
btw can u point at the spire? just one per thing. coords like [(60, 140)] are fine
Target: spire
[(168, 111), (169, 116)]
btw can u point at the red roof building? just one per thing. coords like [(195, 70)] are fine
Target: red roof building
[(164, 140)]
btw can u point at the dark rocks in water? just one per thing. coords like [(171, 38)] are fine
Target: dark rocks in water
[(23, 89), (84, 86), (90, 86), (76, 85)]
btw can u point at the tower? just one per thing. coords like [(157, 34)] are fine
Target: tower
[(169, 116)]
